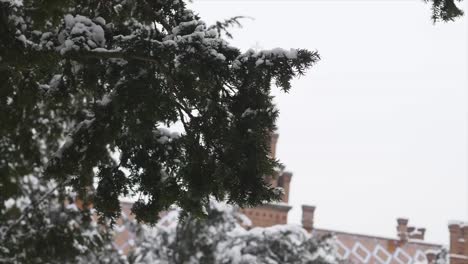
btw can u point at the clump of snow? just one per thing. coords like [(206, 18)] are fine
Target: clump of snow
[(265, 56), (107, 50), (193, 34), (72, 207), (165, 135), (81, 33), (277, 52), (431, 251), (55, 81), (68, 142), (245, 221), (17, 3), (106, 99), (183, 25), (9, 203), (22, 202), (31, 179), (236, 64), (218, 55), (248, 112), (169, 42), (101, 21), (461, 224)]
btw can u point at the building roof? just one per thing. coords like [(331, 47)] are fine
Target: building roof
[(362, 248)]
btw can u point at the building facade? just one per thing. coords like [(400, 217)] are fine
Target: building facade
[(407, 247)]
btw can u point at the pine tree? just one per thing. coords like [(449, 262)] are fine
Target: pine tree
[(89, 94), (445, 10)]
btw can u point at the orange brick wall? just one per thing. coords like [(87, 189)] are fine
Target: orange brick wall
[(458, 243), (266, 216), (454, 260)]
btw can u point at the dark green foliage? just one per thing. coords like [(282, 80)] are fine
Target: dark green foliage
[(223, 26), (51, 231), (82, 82), (445, 10)]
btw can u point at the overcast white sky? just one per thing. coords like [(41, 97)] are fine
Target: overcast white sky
[(378, 128)]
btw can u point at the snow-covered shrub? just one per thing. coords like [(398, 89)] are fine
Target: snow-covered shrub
[(43, 225), (220, 238)]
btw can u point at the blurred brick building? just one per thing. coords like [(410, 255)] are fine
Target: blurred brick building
[(407, 247), (458, 242)]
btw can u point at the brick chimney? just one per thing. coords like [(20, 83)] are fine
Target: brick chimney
[(402, 229), (458, 242), (464, 241), (274, 140), (456, 235), (274, 179), (285, 181), (416, 233), (308, 217), (421, 233)]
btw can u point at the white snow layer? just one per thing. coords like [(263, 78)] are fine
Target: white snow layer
[(80, 29)]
